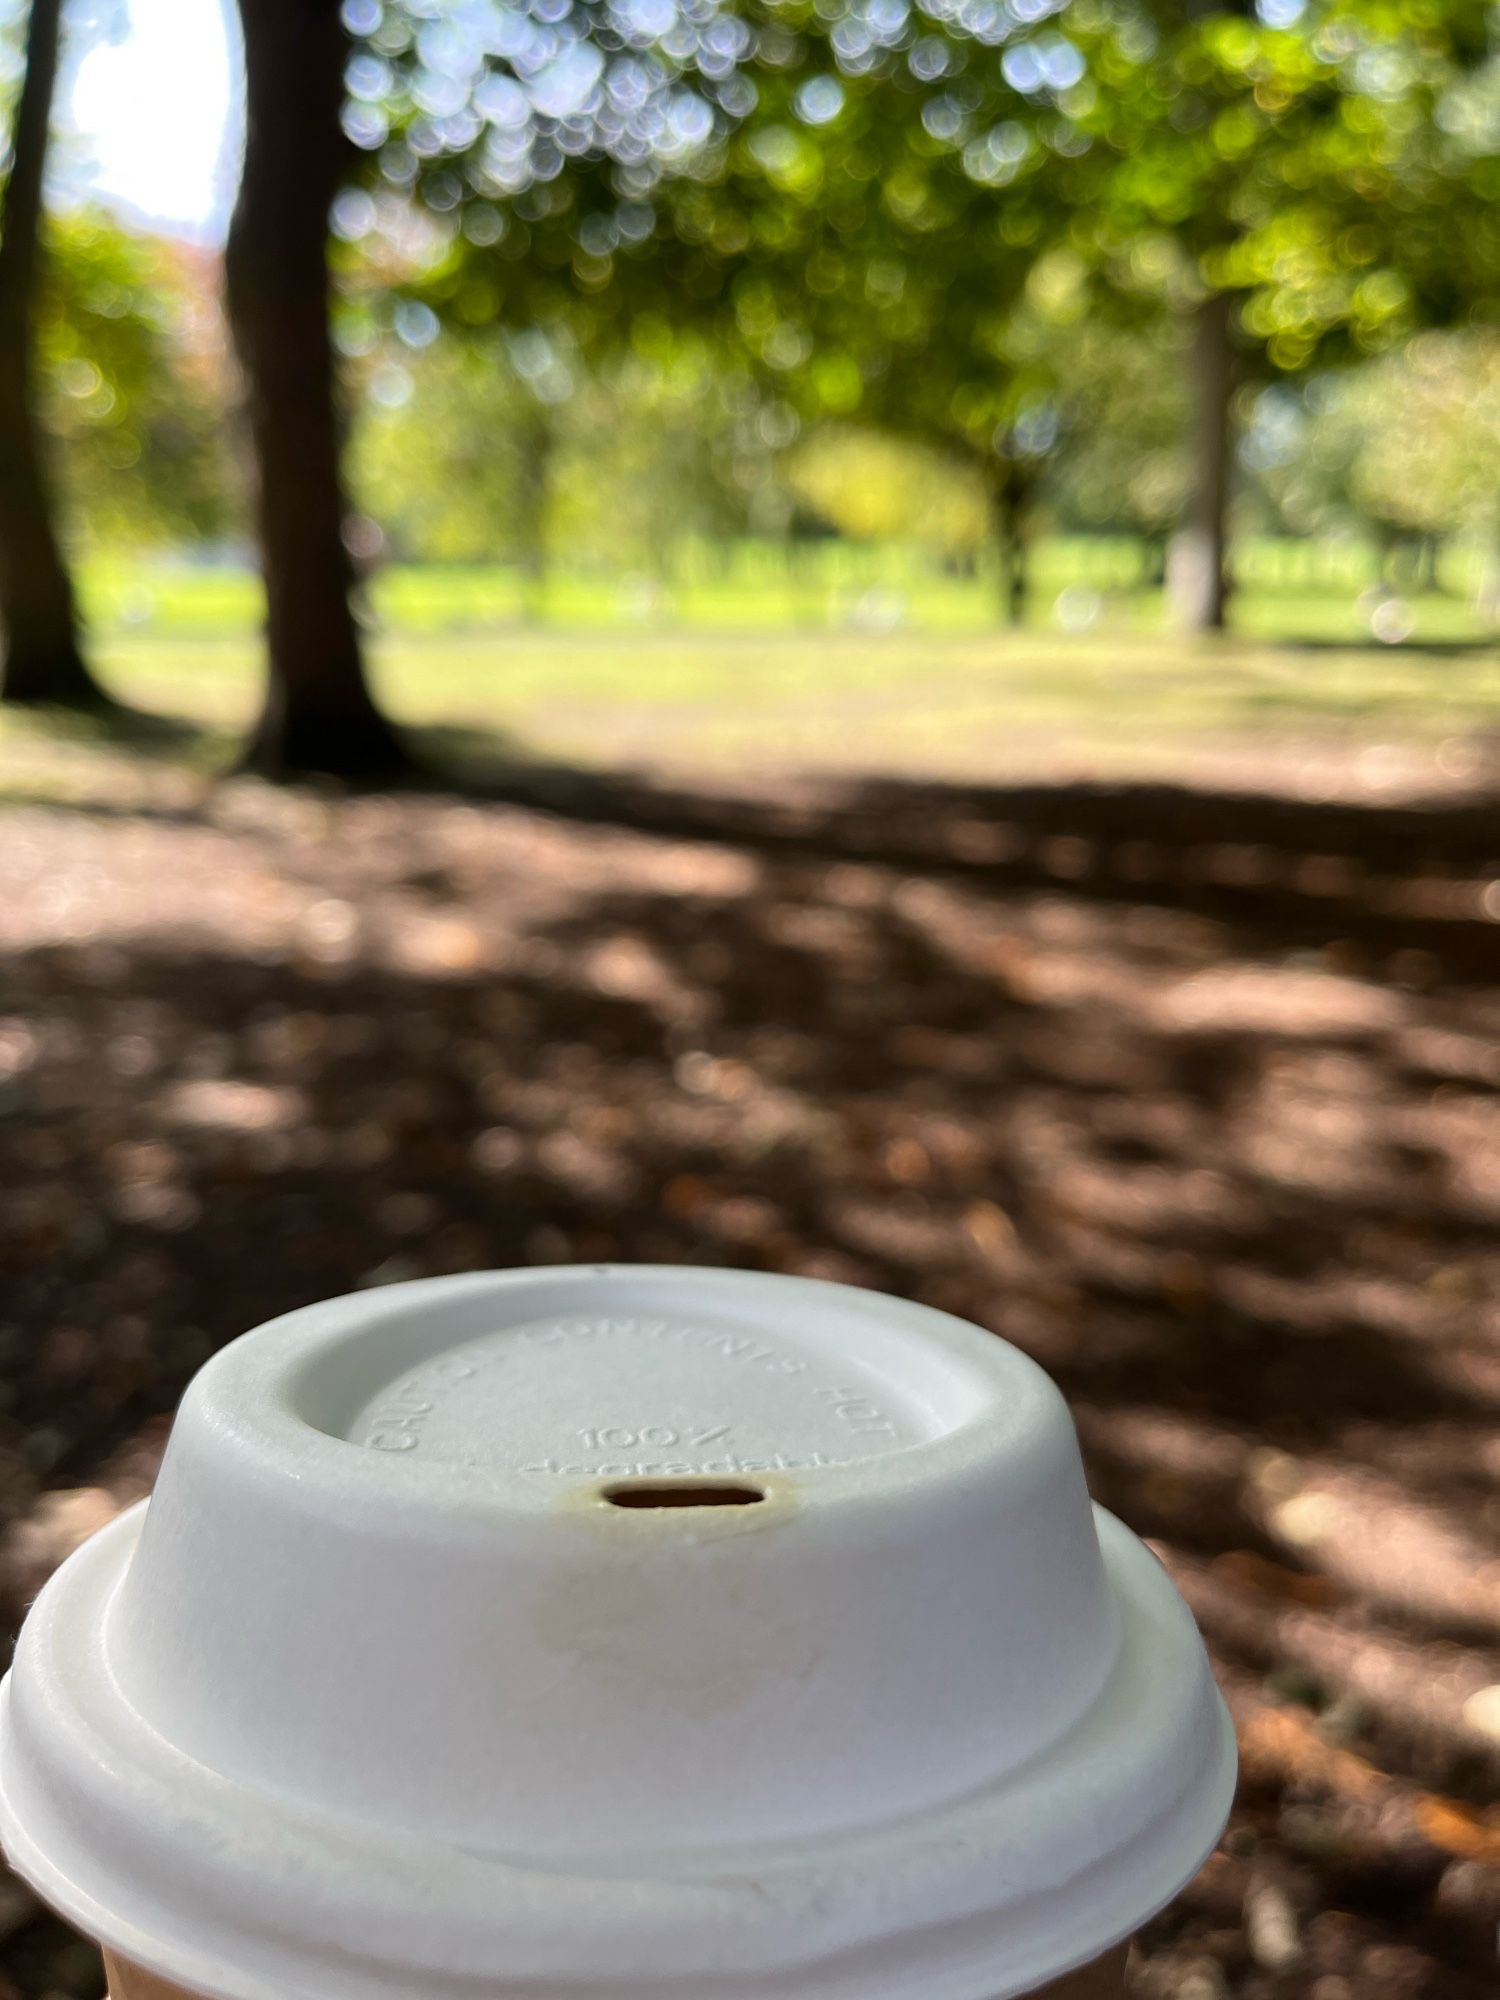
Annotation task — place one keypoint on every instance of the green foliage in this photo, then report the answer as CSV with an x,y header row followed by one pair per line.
x,y
133,386
1124,465
1335,171
435,456
668,445
976,226
608,261
1438,469
11,63
1407,446
499,446
871,487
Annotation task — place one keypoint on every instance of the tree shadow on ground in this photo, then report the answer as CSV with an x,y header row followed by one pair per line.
x,y
144,732
1375,878
446,757
1229,1176
1441,649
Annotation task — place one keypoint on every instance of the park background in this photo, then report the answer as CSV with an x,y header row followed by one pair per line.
x,y
902,685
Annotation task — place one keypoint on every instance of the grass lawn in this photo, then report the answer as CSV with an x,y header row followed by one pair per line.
x,y
831,668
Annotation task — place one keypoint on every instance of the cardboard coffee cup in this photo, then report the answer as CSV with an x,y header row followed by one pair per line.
x,y
614,1634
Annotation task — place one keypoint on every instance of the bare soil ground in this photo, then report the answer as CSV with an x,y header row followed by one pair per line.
x,y
1194,1095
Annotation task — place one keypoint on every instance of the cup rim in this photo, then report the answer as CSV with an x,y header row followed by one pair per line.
x,y
962,1902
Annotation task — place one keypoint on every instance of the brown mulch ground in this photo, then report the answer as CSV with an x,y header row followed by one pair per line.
x,y
1196,1098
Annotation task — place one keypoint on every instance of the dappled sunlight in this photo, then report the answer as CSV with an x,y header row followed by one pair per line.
x,y
1229,1183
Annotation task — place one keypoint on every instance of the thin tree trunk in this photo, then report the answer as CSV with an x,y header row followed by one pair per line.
x,y
1008,493
43,656
1387,555
538,440
1201,581
318,714
1487,593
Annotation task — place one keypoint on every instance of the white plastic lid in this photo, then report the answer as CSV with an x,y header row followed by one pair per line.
x,y
613,1631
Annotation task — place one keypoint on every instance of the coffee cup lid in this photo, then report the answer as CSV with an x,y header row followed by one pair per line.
x,y
616,1631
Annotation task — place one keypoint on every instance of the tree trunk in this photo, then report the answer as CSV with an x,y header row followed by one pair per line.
x,y
43,658
538,441
318,714
1487,594
1200,583
1008,495
1385,539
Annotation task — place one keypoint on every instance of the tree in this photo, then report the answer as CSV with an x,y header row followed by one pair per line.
x,y
900,226
43,657
857,223
876,487
1125,468
1198,576
891,211
1199,579
1323,178
1437,472
132,386
436,457
318,715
